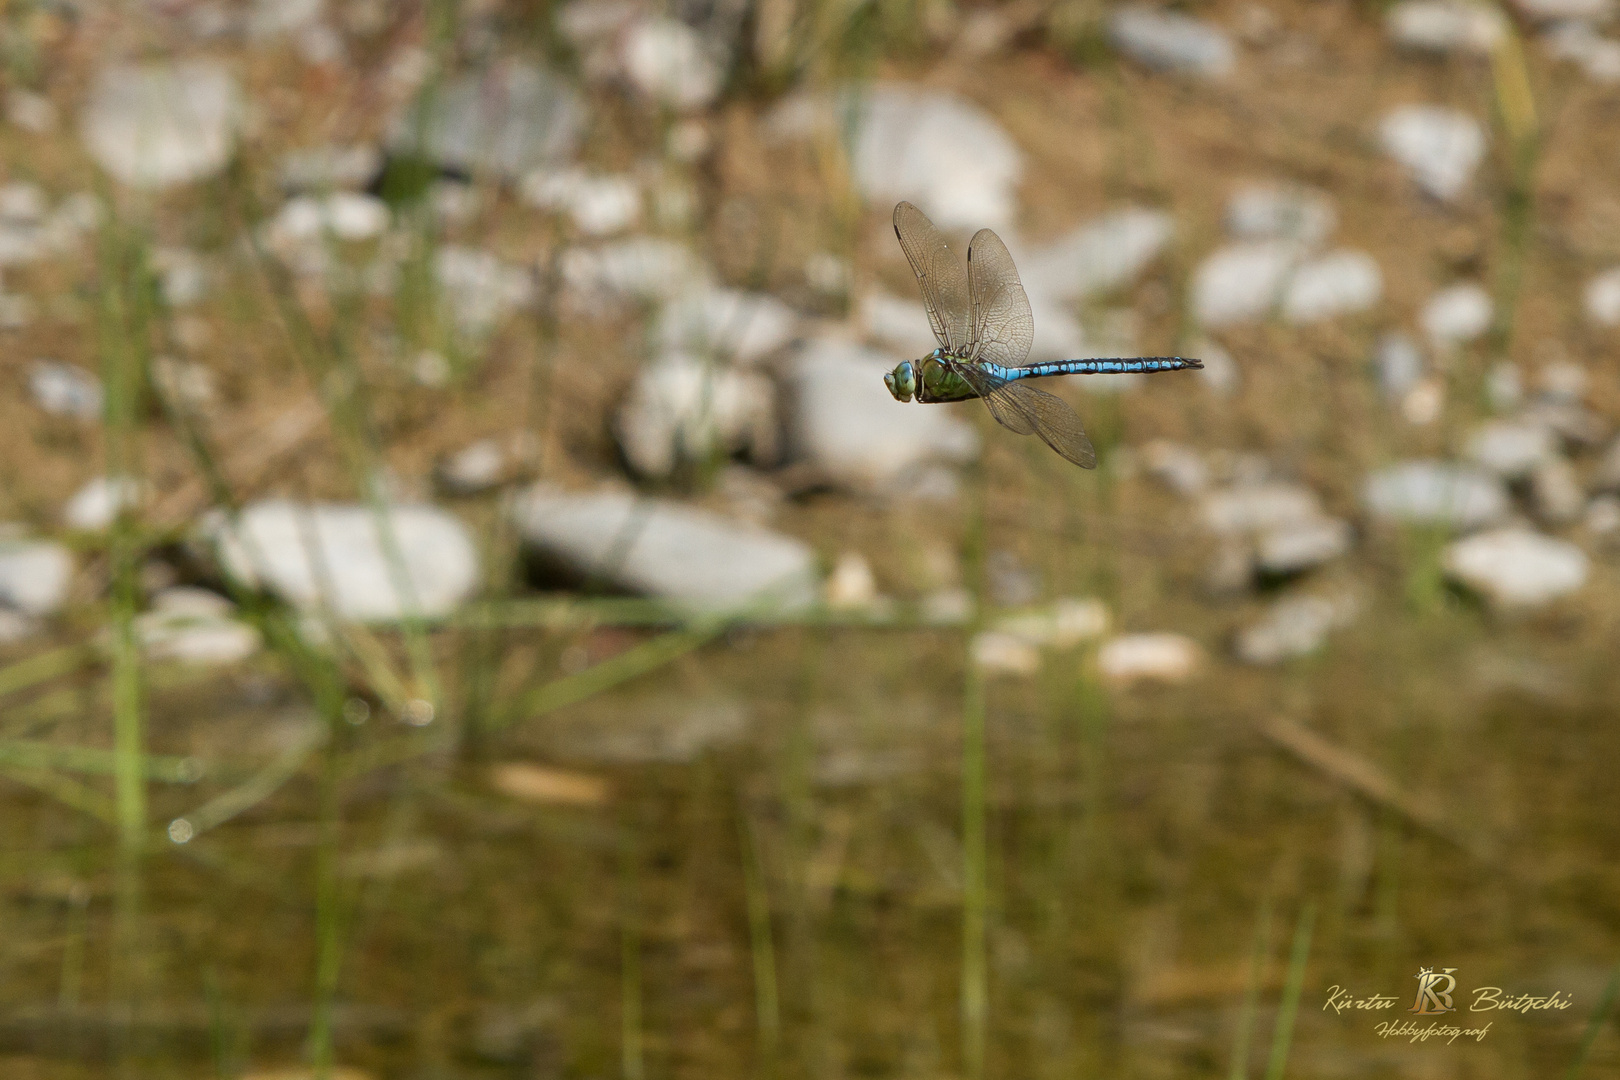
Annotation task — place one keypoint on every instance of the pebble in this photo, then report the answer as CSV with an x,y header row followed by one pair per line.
x,y
1005,654
1425,402
844,423
342,215
899,324
1179,466
937,150
34,575
1399,362
1132,658
1281,212
473,469
1242,282
64,390
182,274
636,267
742,327
1511,449
1575,41
683,409
1456,314
597,205
1292,627
1298,546
158,125
1515,567
1576,425
851,586
1555,492
1257,507
670,63
194,626
1445,26
507,121
318,170
98,503
1428,492
664,549
1562,382
1104,254
479,288
1338,283
332,556
1440,147
531,783
1169,42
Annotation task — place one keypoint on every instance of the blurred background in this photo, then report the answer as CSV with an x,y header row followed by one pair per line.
x,y
470,608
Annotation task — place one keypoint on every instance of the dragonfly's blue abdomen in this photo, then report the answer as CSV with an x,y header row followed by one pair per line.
x,y
1120,366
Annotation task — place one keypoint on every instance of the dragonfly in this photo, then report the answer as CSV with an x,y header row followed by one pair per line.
x,y
984,327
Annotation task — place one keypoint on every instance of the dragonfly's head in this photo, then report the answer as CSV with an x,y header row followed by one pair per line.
x,y
902,381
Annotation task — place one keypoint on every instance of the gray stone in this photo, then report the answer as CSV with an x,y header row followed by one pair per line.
x,y
32,112
1400,365
1427,492
1511,449
65,390
636,267
1556,10
1556,492
1603,517
472,469
666,550
1338,283
194,626
341,215
1294,626
683,409
158,125
318,170
900,324
727,323
672,63
1577,42
1242,282
1258,507
1168,42
1576,425
1281,212
846,425
1181,467
1104,254
937,150
1439,147
34,575
1445,26
1515,567
1297,546
98,503
480,289
504,121
1562,382
597,205
356,563
1456,314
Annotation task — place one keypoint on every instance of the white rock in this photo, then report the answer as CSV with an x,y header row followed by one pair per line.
x,y
157,125
1280,212
1104,254
663,549
683,409
1515,567
95,506
1168,42
1556,492
504,121
937,150
1062,625
1511,449
183,275
318,170
1456,314
1338,283
598,205
899,324
1436,493
1554,10
1297,546
1182,468
637,267
1256,507
34,575
1445,26
1575,41
1133,658
361,565
1400,365
194,626
473,469
1440,147
670,63
1294,626
479,289
342,215
1005,654
1424,402
727,323
64,390
847,426
851,585
1242,282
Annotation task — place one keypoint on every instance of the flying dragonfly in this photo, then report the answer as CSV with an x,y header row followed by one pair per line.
x,y
984,327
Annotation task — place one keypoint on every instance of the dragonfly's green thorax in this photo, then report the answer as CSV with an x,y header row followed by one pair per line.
x,y
928,380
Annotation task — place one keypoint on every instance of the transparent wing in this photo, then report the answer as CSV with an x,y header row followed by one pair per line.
x,y
944,288
1020,407
1002,324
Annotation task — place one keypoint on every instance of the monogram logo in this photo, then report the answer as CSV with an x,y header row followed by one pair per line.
x,y
1434,992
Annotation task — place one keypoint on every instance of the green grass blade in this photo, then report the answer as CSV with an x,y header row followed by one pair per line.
x,y
1594,1027
1283,1036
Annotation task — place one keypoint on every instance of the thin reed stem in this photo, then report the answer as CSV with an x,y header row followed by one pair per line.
x,y
1283,1036
975,994
1258,952
1594,1027
767,1010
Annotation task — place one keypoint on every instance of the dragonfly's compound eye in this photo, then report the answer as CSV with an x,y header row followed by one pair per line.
x,y
901,382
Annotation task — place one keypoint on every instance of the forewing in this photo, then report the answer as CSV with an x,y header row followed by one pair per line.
x,y
944,288
1022,408
1002,324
